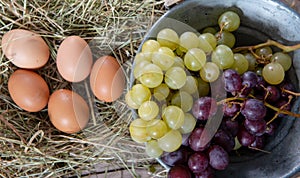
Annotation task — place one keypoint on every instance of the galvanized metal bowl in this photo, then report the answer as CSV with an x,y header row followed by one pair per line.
x,y
260,20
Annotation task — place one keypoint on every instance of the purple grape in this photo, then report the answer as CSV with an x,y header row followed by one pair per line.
x,y
256,128
231,109
204,108
249,79
270,130
273,93
224,139
179,171
179,156
207,173
232,126
287,86
261,84
218,157
232,81
254,109
195,140
287,107
198,162
259,142
244,137
245,92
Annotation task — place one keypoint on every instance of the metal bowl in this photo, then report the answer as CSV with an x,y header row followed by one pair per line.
x,y
260,20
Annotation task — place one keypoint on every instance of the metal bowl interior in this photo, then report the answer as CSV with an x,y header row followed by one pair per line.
x,y
260,20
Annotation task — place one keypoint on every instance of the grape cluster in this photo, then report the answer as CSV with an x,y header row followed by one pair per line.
x,y
171,94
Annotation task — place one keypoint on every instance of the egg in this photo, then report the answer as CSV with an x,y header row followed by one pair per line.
x,y
25,49
68,111
107,79
28,90
74,59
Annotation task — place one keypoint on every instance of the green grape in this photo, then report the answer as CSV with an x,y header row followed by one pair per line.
x,y
169,38
187,41
175,77
225,38
191,85
237,144
264,52
178,62
183,100
138,68
151,76
258,70
194,59
129,101
139,94
148,110
164,58
229,21
171,141
209,30
188,124
173,116
150,46
223,57
142,57
153,150
208,42
251,61
203,87
157,128
240,64
161,92
138,130
210,72
284,59
273,73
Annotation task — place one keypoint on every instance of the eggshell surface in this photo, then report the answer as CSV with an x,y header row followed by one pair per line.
x,y
107,79
74,59
25,49
28,90
68,111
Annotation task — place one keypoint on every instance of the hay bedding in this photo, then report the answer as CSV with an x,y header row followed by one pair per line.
x,y
30,146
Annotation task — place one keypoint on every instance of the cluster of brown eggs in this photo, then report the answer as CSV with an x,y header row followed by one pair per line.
x,y
67,110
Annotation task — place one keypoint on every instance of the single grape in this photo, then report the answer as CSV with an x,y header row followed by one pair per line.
x,y
183,100
286,86
173,116
198,162
273,73
195,140
250,79
232,81
240,64
210,30
259,142
272,93
151,76
194,59
261,84
218,157
258,70
254,109
148,110
225,38
163,58
152,149
191,85
142,57
203,87
207,173
270,130
138,68
207,42
179,156
256,128
229,21
188,124
282,58
179,171
223,57
231,126
244,137
231,109
130,102
264,52
251,61
138,130
175,77
169,38
224,139
204,108
210,72
150,46
188,40
178,62
156,128
139,94
171,141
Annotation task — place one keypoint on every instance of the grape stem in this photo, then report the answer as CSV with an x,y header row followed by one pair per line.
x,y
277,113
269,43
290,92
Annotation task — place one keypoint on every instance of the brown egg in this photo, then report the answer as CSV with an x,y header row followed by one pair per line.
x,y
25,49
107,79
68,111
74,59
28,90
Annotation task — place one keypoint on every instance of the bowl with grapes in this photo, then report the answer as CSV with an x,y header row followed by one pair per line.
x,y
214,89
